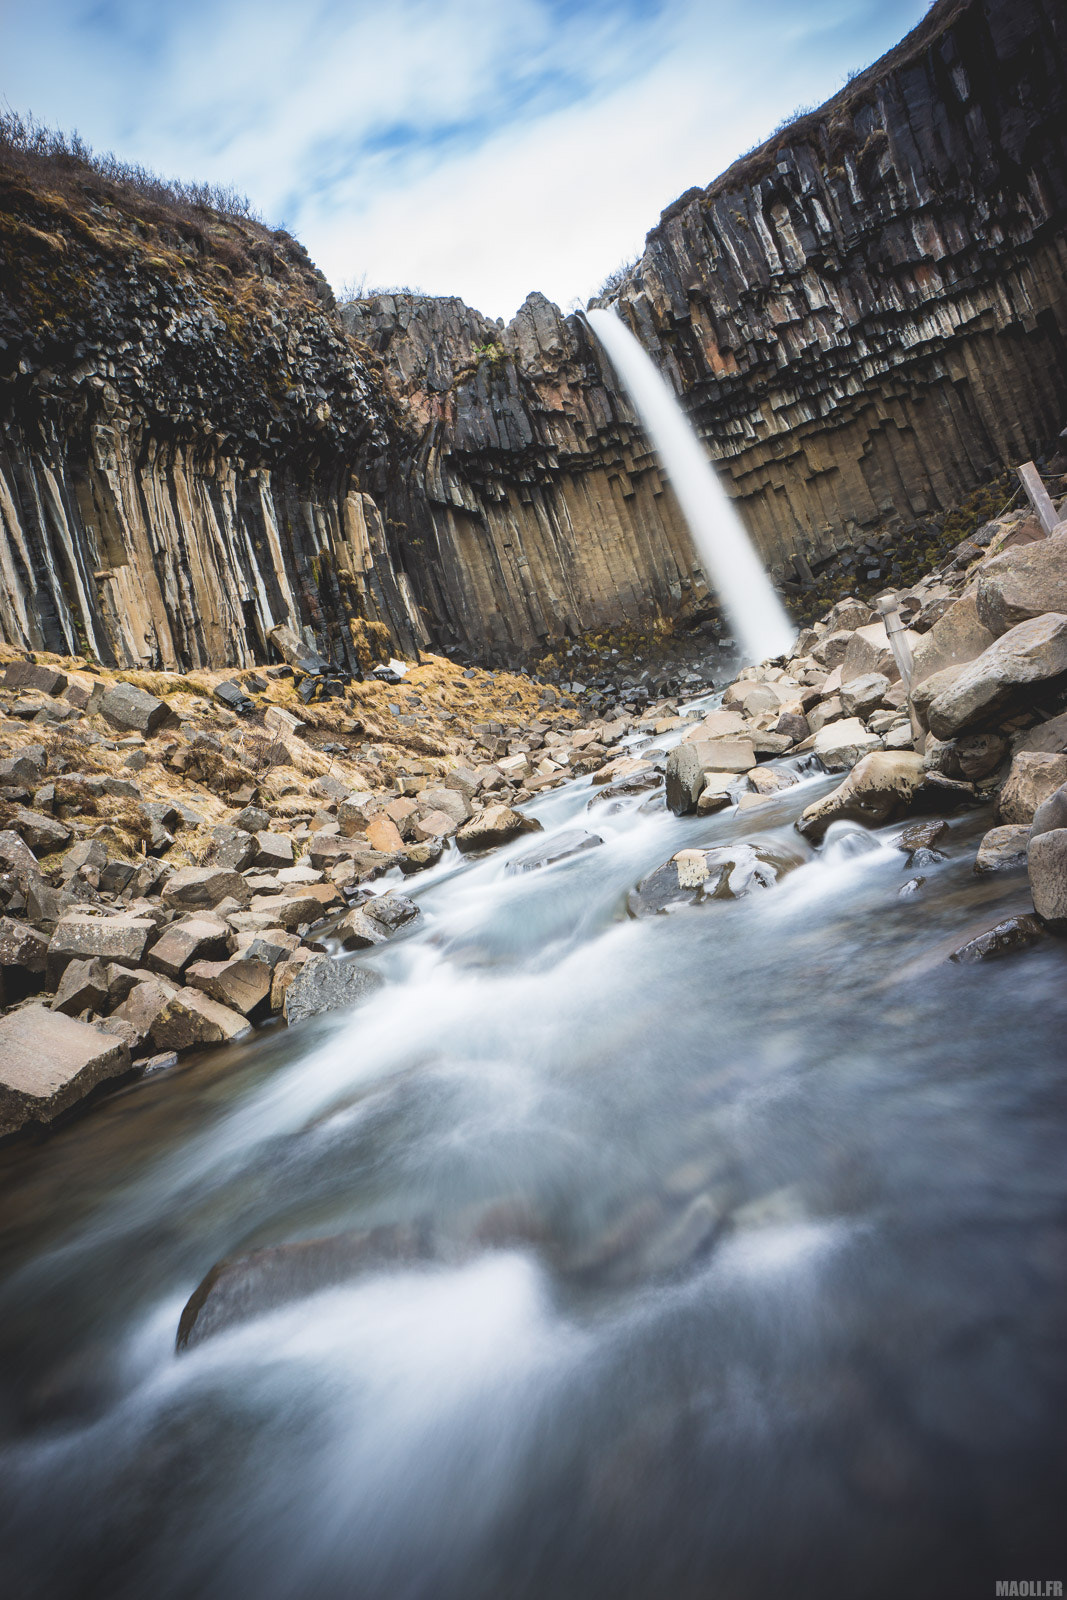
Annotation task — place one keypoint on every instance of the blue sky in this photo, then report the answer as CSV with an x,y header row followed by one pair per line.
x,y
474,147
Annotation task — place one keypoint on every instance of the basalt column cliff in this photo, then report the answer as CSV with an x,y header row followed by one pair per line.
x,y
866,317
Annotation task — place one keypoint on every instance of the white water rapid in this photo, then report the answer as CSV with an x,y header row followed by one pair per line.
x,y
730,562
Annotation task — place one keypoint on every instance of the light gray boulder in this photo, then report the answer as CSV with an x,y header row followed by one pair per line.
x,y
1031,653
1022,583
48,1062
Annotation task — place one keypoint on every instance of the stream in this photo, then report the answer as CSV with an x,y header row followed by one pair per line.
x,y
750,1250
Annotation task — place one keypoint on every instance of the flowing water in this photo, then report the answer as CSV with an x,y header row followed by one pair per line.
x,y
729,559
749,1246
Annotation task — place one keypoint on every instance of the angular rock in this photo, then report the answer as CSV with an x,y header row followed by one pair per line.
x,y
840,745
28,675
274,850
1030,653
192,939
17,858
22,946
571,842
829,710
684,773
236,851
881,786
418,857
698,876
131,709
190,1019
383,834
621,767
48,1062
242,983
80,935
1034,776
356,931
863,695
1047,865
623,788
718,725
495,826
43,834
325,984
202,888
1008,937
958,636
83,987
1050,735
869,651
433,825
288,911
1003,849
449,800
138,1014
1026,582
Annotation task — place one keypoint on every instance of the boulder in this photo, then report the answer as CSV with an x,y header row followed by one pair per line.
x,y
242,983
718,725
622,767
433,825
830,650
1003,849
287,911
623,788
202,888
418,857
1022,583
191,1018
138,1013
840,745
1004,938
828,710
861,696
753,698
1030,653
274,850
1034,776
80,935
688,762
17,858
793,725
192,939
869,651
356,931
326,984
1051,813
770,780
29,675
43,834
1047,865
698,876
880,787
1050,735
560,847
83,987
22,946
976,755
49,1061
496,825
958,636
718,792
131,709
383,834
451,801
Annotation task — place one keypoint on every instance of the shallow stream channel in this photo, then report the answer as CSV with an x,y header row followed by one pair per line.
x,y
719,1253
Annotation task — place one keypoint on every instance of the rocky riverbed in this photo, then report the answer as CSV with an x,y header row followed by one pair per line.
x,y
188,858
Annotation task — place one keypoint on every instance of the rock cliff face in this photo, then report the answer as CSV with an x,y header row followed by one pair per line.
x,y
865,317
183,425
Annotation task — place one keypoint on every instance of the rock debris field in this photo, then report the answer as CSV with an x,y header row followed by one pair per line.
x,y
185,859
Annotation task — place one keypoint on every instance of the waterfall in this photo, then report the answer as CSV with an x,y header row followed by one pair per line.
x,y
730,561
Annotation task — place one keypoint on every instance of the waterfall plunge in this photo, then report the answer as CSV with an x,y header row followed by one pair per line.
x,y
730,562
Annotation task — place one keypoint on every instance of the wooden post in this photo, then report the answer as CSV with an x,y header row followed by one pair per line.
x,y
1038,497
889,607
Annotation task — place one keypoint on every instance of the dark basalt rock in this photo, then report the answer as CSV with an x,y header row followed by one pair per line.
x,y
1004,939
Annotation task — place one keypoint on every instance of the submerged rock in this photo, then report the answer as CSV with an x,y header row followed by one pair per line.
x,y
250,1286
727,872
1005,938
562,845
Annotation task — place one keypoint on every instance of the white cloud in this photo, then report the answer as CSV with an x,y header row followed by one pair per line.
x,y
476,147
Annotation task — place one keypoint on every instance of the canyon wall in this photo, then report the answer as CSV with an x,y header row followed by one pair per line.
x,y
865,318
